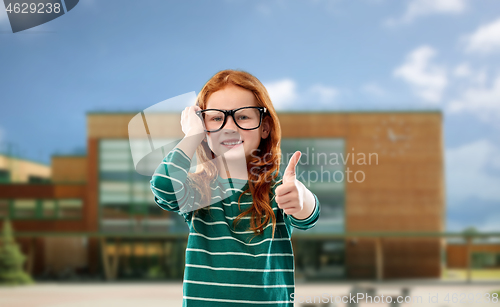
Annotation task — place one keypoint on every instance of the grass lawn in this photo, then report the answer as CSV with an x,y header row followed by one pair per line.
x,y
476,274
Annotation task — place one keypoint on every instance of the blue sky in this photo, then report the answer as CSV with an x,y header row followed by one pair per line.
x,y
122,55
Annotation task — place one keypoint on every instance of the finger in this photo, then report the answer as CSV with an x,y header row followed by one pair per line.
x,y
282,199
285,188
283,203
290,170
282,190
286,206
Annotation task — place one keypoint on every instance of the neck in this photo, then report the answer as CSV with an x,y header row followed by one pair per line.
x,y
229,168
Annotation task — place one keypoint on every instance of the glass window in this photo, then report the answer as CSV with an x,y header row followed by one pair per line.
x,y
141,192
117,225
115,210
321,170
125,196
70,208
113,192
25,208
49,208
118,145
37,179
483,260
115,156
4,176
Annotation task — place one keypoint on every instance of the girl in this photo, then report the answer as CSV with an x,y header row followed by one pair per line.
x,y
239,250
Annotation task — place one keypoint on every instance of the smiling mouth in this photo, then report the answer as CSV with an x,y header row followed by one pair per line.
x,y
232,143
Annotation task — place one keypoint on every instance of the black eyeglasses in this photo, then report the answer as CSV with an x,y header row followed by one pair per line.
x,y
246,118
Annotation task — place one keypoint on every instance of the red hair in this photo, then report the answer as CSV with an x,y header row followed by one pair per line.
x,y
263,167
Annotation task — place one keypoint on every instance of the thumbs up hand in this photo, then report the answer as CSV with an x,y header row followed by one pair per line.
x,y
290,194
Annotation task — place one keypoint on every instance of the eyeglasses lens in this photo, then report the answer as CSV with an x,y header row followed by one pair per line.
x,y
248,118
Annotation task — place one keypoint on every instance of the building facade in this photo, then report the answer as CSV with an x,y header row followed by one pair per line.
x,y
373,172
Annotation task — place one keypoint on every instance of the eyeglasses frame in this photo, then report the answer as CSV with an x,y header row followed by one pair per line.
x,y
262,110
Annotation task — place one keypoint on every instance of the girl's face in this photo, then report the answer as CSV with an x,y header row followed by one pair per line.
x,y
229,98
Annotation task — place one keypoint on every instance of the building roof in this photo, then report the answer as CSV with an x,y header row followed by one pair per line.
x,y
416,110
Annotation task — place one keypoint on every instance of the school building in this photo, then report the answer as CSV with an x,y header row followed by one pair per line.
x,y
374,173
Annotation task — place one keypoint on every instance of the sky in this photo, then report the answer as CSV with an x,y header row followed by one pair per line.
x,y
125,56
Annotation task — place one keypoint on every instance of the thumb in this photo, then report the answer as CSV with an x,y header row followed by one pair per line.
x,y
289,173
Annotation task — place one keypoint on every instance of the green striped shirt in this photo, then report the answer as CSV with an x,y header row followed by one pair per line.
x,y
223,266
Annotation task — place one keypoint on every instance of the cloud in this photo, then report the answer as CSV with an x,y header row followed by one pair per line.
x,y
418,8
428,80
325,94
480,100
491,224
464,71
285,95
484,40
467,172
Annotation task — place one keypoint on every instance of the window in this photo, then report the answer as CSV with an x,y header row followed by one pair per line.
x,y
70,208
4,176
322,174
41,208
126,202
49,208
37,179
24,208
483,260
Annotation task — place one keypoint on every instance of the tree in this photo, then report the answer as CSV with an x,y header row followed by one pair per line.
x,y
470,230
11,259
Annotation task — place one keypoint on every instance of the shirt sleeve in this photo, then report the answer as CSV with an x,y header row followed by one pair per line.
x,y
169,184
308,222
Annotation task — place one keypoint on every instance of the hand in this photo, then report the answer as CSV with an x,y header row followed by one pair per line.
x,y
191,123
290,195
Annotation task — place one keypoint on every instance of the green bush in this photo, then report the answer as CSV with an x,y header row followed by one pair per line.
x,y
11,259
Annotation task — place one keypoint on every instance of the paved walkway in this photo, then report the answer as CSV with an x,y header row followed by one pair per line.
x,y
170,294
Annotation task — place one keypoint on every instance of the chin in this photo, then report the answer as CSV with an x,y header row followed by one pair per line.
x,y
233,155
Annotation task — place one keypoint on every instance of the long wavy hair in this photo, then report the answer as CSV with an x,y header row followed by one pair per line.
x,y
262,167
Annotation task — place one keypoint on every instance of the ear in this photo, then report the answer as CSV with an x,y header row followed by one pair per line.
x,y
266,127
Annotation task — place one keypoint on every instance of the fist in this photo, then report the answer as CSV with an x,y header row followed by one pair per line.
x,y
290,195
191,123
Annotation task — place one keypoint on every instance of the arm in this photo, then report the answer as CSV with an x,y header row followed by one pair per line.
x,y
169,182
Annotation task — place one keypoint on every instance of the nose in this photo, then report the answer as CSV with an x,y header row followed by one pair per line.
x,y
230,124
